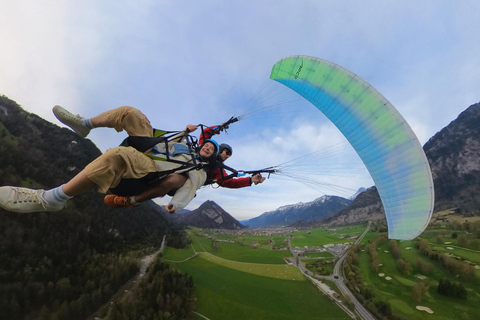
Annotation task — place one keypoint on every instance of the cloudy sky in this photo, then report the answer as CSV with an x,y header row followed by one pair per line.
x,y
202,62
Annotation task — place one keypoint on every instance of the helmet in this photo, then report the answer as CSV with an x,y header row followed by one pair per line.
x,y
225,146
215,152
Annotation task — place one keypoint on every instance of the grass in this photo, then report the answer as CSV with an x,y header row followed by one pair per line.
x,y
235,280
239,251
398,291
322,236
283,271
226,293
468,254
238,281
178,254
327,268
261,240
325,255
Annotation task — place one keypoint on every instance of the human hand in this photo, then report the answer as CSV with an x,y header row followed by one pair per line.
x,y
191,128
257,178
170,208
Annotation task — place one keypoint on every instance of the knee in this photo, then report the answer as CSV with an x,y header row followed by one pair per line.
x,y
112,153
128,109
127,112
115,156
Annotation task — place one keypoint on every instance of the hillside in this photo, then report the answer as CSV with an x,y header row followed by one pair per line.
x,y
47,259
454,154
209,215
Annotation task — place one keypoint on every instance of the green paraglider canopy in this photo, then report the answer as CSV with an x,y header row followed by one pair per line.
x,y
378,133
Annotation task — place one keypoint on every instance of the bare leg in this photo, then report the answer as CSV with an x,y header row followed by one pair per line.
x,y
78,184
172,182
102,121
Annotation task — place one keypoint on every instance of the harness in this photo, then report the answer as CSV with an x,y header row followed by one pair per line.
x,y
143,144
220,165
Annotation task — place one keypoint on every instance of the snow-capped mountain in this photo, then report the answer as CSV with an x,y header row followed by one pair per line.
x,y
362,189
318,209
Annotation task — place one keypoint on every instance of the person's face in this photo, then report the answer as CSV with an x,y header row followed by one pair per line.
x,y
207,150
225,154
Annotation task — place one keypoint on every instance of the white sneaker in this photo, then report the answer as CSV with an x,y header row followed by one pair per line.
x,y
76,122
24,200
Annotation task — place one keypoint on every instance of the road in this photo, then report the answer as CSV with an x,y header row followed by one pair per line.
x,y
337,278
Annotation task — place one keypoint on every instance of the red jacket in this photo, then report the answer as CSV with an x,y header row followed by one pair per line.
x,y
218,174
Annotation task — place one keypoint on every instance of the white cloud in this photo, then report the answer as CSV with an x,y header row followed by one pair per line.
x,y
181,62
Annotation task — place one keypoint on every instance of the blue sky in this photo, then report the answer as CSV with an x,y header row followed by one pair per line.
x,y
198,62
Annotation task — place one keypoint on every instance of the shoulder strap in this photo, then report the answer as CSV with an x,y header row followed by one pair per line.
x,y
142,144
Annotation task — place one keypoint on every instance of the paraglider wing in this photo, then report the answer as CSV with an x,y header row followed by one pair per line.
x,y
378,133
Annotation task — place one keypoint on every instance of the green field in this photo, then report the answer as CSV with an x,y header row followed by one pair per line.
x,y
178,254
227,293
241,277
398,291
280,271
465,253
323,255
239,251
245,279
322,236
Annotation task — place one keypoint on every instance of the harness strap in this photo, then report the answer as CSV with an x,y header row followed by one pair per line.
x,y
223,178
143,144
158,175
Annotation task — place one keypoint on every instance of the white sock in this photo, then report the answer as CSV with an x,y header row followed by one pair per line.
x,y
56,195
88,123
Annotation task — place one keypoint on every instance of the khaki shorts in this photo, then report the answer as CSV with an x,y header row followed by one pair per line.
x,y
122,162
132,120
118,163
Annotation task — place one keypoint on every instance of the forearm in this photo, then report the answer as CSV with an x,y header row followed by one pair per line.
x,y
186,193
207,133
235,183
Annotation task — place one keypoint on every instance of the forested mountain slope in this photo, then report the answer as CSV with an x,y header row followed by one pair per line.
x,y
66,262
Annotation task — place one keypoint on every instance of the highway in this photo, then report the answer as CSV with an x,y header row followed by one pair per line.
x,y
337,278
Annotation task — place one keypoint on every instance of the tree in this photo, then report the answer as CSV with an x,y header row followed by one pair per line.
x,y
423,266
404,266
419,290
447,288
44,314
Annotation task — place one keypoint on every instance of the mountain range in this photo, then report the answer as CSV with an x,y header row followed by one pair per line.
x,y
208,215
318,209
452,153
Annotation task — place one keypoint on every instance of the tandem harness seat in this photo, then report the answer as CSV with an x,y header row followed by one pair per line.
x,y
132,187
